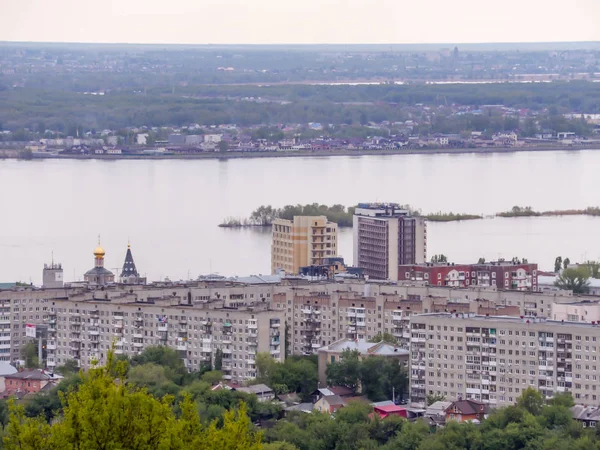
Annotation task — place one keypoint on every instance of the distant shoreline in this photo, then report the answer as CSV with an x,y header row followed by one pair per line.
x,y
12,153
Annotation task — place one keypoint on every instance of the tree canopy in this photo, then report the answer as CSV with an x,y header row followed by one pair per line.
x,y
107,412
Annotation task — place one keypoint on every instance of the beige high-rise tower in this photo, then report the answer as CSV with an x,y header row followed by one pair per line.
x,y
304,241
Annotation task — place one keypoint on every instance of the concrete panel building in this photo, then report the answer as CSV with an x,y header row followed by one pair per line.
x,y
385,237
493,359
304,241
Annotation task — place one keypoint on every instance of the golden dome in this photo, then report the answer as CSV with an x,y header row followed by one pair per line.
x,y
99,252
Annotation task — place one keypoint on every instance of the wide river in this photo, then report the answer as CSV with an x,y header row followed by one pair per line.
x,y
170,209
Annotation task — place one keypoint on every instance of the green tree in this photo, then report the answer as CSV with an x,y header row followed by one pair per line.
x,y
531,401
432,398
110,414
212,377
441,258
70,367
557,264
593,268
385,337
223,146
166,357
345,372
29,354
574,279
218,359
566,263
481,260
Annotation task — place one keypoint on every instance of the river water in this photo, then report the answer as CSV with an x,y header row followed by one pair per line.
x,y
169,209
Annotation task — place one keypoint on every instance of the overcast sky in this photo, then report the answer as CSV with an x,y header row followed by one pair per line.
x,y
295,21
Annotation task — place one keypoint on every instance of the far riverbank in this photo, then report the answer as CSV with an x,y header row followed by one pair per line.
x,y
12,153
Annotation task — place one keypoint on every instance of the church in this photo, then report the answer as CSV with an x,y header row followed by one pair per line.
x,y
101,276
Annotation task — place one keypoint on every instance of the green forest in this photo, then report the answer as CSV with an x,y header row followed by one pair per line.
x,y
40,109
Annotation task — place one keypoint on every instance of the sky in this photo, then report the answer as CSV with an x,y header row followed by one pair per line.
x,y
294,21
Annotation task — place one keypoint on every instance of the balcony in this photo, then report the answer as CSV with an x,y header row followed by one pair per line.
x,y
252,325
138,344
137,335
50,345
163,328
227,351
182,346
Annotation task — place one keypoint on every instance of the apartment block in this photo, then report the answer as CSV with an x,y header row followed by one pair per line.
x,y
500,275
86,330
385,237
83,319
304,241
492,359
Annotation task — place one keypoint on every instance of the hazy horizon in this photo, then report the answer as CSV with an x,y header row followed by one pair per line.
x,y
324,22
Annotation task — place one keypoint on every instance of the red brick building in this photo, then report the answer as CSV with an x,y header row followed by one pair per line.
x,y
28,381
502,275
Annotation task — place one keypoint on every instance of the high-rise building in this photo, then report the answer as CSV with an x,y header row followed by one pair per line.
x,y
493,359
304,241
386,236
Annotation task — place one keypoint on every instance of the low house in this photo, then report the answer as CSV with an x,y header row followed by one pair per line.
x,y
389,410
301,407
342,391
467,411
329,404
29,381
437,408
588,416
262,391
332,353
5,370
289,399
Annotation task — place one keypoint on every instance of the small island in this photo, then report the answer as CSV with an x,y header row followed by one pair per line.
x,y
528,211
264,216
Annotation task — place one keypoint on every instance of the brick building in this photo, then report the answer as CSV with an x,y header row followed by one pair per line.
x,y
501,275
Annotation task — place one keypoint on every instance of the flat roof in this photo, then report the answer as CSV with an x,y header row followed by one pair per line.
x,y
506,319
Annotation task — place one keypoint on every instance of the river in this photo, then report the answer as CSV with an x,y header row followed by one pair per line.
x,y
169,209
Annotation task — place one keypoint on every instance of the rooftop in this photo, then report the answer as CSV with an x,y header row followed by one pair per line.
x,y
364,347
505,319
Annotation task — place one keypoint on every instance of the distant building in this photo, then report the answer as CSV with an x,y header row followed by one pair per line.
x,y
467,411
52,276
129,273
177,139
140,139
99,275
212,138
28,381
262,391
386,236
502,275
304,241
331,268
192,139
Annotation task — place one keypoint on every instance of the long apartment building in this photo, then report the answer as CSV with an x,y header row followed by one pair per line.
x,y
493,359
82,320
501,275
385,237
304,241
84,328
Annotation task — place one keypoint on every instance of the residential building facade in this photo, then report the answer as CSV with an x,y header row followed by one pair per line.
x,y
494,359
304,241
385,237
502,275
